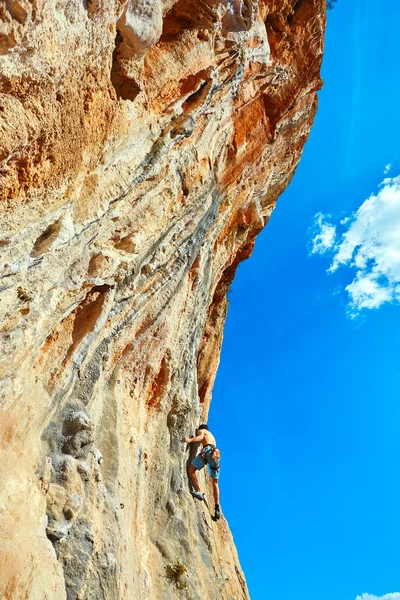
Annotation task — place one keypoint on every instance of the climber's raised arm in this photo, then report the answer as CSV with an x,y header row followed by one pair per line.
x,y
198,438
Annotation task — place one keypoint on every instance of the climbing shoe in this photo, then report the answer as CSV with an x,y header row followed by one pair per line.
x,y
217,512
197,495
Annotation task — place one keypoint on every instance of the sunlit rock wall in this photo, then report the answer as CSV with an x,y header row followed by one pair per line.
x,y
143,145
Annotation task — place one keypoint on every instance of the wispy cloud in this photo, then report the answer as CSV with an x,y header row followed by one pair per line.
x,y
370,246
393,596
387,168
324,234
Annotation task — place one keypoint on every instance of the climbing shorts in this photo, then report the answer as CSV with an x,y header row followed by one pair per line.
x,y
206,458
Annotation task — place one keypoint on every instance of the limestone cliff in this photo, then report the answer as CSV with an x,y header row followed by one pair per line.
x,y
143,145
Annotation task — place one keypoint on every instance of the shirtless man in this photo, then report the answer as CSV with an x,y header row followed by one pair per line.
x,y
206,457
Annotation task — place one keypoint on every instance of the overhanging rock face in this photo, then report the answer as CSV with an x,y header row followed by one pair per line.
x,y
143,146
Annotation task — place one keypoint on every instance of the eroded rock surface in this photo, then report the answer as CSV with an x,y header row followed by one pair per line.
x,y
143,145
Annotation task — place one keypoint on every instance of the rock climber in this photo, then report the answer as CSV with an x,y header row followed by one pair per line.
x,y
210,456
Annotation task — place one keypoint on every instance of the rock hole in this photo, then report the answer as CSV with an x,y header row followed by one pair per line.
x,y
97,265
194,82
274,22
92,6
125,87
196,98
126,244
238,19
23,295
241,231
6,42
176,21
17,11
302,12
188,15
203,36
146,269
44,241
272,110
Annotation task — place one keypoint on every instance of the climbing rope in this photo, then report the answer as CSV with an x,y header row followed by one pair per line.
x,y
198,507
221,573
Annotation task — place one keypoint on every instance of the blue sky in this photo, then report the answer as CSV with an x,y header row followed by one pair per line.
x,y
305,406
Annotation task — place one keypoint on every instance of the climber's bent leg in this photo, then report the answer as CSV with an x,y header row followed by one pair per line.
x,y
193,476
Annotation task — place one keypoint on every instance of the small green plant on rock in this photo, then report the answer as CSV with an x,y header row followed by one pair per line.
x,y
175,572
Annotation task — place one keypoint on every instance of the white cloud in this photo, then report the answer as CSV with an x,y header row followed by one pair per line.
x,y
370,246
325,235
387,168
393,596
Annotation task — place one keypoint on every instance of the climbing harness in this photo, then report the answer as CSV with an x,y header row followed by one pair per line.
x,y
214,459
206,451
212,456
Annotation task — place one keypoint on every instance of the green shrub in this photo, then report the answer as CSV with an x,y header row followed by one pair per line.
x,y
174,574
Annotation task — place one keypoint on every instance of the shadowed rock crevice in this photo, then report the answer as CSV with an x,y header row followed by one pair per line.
x,y
86,316
188,15
126,87
158,385
67,335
